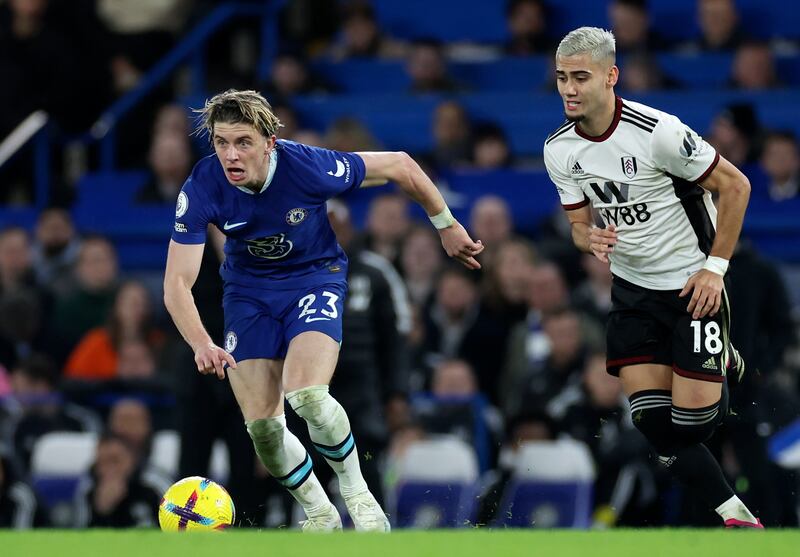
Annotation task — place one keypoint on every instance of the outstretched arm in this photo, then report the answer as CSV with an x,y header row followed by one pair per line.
x,y
401,169
183,264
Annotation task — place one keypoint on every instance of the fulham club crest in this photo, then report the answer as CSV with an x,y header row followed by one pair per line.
x,y
629,166
296,216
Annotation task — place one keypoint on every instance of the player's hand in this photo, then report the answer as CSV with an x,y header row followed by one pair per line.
x,y
602,241
108,493
459,245
707,295
212,358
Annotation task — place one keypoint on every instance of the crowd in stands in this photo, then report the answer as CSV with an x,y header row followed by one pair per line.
x,y
509,355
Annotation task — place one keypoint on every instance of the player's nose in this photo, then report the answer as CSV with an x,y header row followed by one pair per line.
x,y
231,154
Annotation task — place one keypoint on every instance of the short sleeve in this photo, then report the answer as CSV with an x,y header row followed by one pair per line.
x,y
337,172
191,215
570,193
679,150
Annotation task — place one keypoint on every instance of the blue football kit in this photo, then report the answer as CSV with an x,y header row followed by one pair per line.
x,y
284,273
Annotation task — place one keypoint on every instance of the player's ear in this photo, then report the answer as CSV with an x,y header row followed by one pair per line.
x,y
613,76
270,144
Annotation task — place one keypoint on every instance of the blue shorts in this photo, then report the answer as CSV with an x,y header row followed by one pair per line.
x,y
260,323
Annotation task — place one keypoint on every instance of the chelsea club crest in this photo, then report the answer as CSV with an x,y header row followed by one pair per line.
x,y
296,216
230,342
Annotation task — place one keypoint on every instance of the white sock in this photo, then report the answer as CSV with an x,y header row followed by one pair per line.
x,y
330,431
289,463
734,508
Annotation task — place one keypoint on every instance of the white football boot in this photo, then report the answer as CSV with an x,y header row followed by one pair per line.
x,y
367,514
327,522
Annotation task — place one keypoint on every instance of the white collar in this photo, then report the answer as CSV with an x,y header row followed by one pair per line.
x,y
273,162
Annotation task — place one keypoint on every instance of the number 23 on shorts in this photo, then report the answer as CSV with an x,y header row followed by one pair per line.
x,y
325,309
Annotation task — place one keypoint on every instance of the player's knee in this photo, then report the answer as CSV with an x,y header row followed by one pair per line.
x,y
650,411
695,425
314,404
267,433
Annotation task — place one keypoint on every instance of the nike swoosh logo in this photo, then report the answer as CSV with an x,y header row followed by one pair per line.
x,y
227,226
310,319
339,170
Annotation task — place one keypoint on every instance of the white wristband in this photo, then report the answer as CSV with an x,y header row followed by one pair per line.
x,y
716,265
443,220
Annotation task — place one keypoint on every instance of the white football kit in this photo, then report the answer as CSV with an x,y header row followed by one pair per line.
x,y
642,175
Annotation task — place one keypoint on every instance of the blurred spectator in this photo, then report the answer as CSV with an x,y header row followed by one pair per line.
x,y
54,252
136,360
720,29
780,161
735,134
16,271
172,119
754,67
170,161
457,326
593,295
130,419
527,25
641,73
427,68
41,408
543,358
23,327
507,279
88,303
116,495
19,506
421,261
529,427
451,135
361,37
23,305
140,34
490,221
456,406
630,23
596,412
289,77
97,356
490,148
350,135
387,224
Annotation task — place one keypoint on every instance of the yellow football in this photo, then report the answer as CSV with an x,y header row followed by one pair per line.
x,y
197,504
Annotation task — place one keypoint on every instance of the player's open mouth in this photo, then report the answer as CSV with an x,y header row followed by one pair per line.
x,y
572,105
235,174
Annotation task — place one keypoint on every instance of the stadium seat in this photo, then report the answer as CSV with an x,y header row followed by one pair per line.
x,y
437,485
165,454
551,487
58,462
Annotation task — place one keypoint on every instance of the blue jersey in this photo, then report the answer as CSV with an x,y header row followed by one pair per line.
x,y
278,238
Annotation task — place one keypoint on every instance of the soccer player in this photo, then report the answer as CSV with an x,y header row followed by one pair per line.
x,y
650,177
284,284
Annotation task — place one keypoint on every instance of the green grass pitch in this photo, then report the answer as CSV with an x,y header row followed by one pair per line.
x,y
460,543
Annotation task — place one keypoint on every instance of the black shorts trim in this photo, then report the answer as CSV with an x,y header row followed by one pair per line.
x,y
705,376
614,366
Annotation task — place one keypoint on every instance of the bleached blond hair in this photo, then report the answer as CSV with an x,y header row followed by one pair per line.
x,y
599,43
236,107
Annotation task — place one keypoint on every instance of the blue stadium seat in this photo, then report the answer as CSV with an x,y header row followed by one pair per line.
x,y
437,485
59,462
551,487
452,20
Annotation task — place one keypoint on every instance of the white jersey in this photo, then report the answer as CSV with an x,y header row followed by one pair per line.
x,y
642,176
